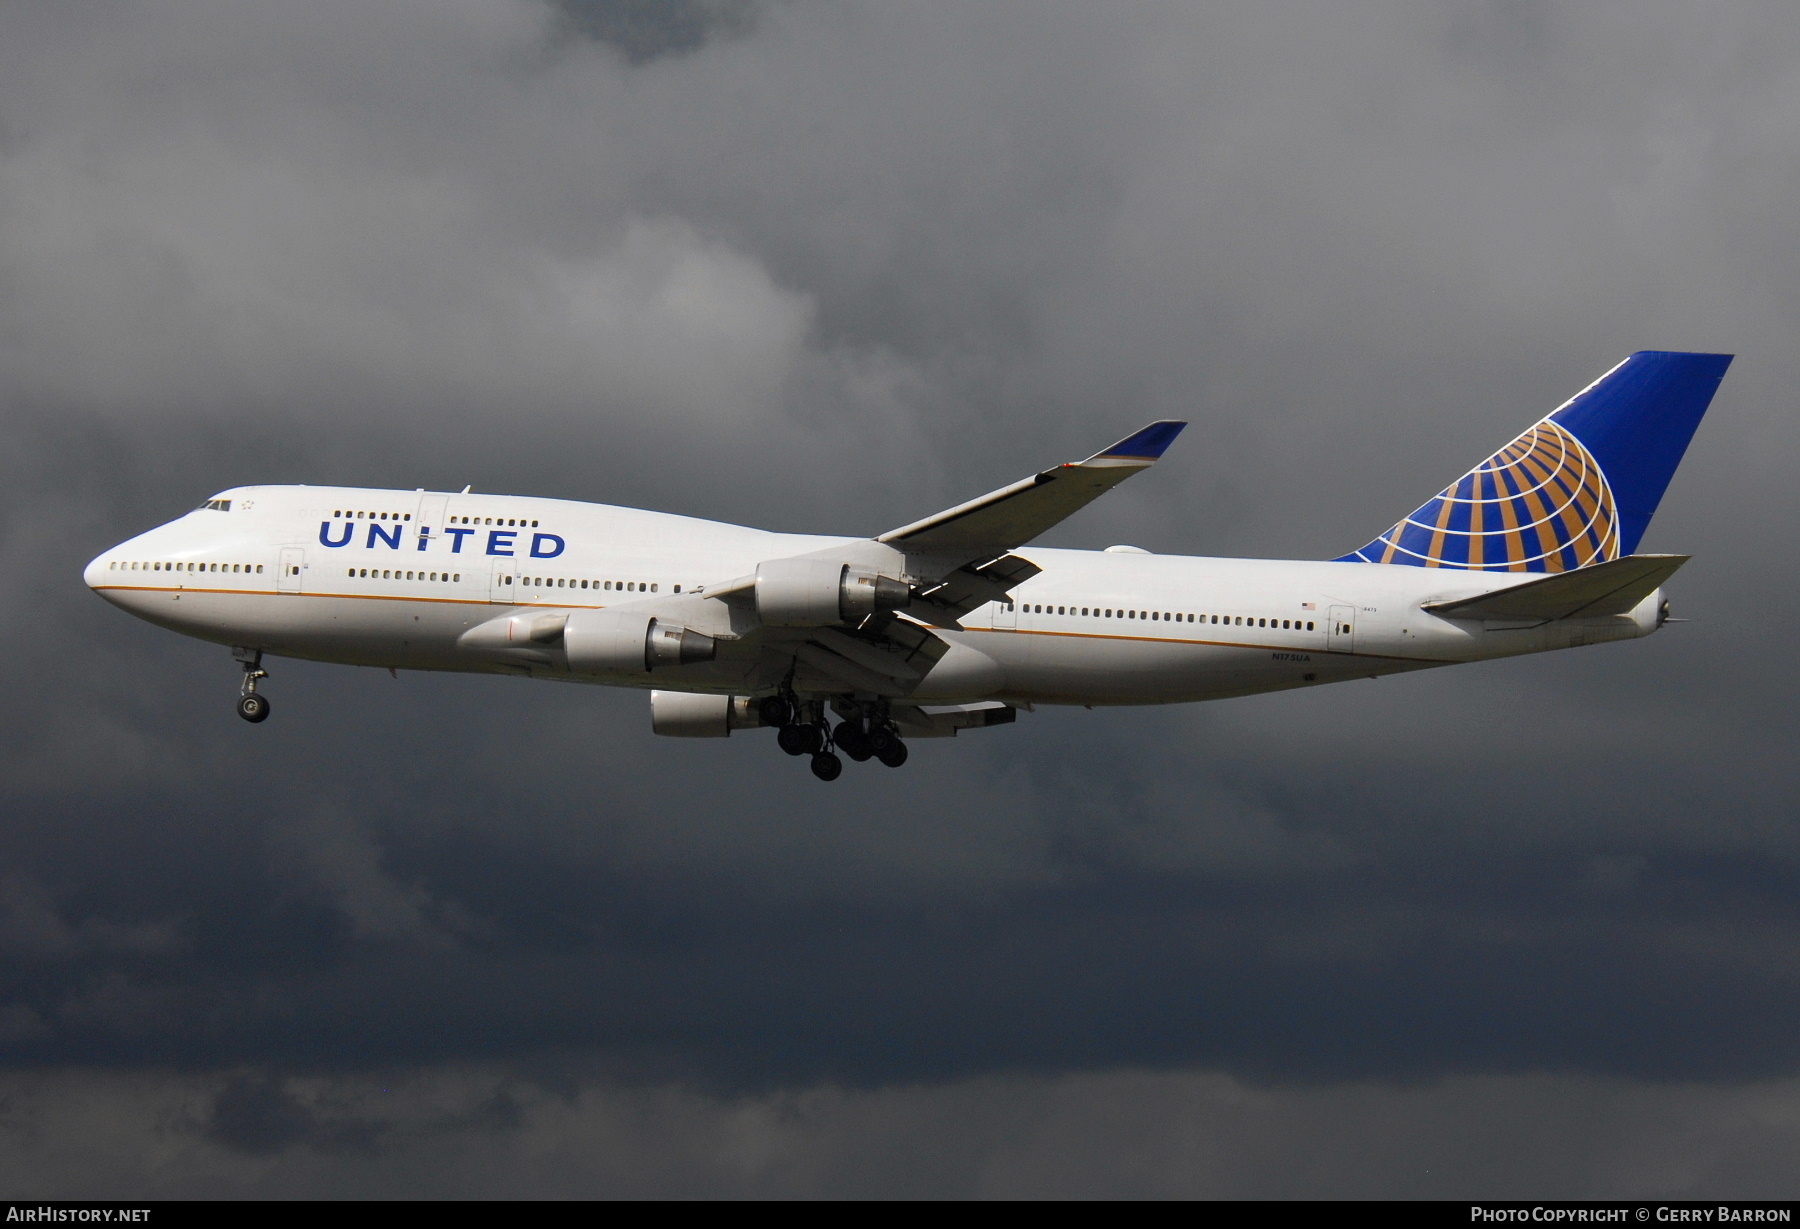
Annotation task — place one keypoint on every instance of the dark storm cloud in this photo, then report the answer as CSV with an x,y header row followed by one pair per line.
x,y
831,267
647,29
481,1131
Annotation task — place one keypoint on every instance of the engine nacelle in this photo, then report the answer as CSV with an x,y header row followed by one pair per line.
x,y
616,641
812,592
686,714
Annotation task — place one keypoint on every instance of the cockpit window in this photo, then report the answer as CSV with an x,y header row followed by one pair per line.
x,y
217,505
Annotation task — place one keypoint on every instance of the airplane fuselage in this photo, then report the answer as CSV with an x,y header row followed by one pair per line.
x,y
397,578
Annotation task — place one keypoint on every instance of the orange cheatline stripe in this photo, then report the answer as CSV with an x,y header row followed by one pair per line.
x,y
369,597
1324,654
353,597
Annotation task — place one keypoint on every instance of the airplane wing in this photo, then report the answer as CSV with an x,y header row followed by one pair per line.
x,y
1014,515
964,550
1610,588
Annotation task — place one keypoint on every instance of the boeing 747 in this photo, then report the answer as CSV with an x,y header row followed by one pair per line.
x,y
954,622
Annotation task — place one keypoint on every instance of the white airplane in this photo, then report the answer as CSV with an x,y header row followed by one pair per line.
x,y
946,624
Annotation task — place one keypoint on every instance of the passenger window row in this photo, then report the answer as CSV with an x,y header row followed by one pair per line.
x,y
156,566
563,582
397,574
1164,616
535,582
491,520
373,516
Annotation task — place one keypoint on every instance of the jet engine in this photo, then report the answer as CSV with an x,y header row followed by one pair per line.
x,y
625,641
814,592
686,714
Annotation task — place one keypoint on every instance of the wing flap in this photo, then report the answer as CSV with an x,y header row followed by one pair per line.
x,y
967,588
1610,588
866,655
885,655
857,677
945,720
919,647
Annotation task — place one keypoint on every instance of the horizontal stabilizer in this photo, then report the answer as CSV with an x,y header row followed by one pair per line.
x,y
1611,588
1014,515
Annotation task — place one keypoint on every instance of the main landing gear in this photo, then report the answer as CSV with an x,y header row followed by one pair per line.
x,y
802,729
251,706
873,741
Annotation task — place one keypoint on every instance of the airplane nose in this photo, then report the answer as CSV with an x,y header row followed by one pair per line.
x,y
109,574
100,574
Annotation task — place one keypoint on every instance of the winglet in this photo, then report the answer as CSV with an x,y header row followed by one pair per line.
x,y
1015,514
1143,446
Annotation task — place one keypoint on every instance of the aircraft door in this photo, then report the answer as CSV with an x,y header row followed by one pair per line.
x,y
430,521
1341,638
289,576
1006,613
505,583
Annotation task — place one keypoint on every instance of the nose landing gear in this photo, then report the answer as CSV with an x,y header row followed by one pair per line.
x,y
251,706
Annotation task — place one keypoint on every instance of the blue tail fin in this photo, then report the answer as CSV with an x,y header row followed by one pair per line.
x,y
1577,488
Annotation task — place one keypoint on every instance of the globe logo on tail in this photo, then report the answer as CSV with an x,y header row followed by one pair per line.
x,y
1541,504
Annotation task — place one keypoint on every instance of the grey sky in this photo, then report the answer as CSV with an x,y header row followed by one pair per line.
x,y
830,267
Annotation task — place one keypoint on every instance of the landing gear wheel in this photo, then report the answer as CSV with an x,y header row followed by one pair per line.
x,y
880,741
798,739
776,711
250,706
852,742
894,756
826,766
